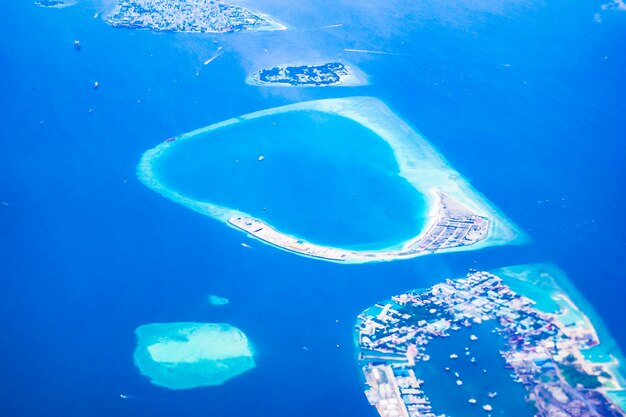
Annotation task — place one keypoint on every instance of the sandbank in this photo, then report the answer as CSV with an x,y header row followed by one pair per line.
x,y
188,355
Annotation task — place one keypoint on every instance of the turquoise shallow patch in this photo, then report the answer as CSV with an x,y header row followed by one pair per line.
x,y
216,300
189,355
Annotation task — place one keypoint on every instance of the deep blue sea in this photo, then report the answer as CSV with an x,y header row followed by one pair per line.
x,y
526,99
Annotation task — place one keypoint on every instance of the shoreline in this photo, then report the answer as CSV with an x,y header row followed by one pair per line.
x,y
356,78
458,218
66,3
416,246
269,23
554,283
390,337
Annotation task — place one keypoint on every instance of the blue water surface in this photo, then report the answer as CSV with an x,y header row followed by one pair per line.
x,y
526,100
487,375
321,177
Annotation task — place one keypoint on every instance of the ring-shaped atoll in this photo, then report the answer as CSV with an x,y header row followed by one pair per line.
x,y
458,218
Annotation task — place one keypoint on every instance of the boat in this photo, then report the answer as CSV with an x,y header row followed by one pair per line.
x,y
261,158
459,382
487,407
473,337
96,85
492,394
454,356
472,401
77,45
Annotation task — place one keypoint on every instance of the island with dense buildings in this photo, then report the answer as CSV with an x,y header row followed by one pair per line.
x,y
210,16
545,351
457,217
323,75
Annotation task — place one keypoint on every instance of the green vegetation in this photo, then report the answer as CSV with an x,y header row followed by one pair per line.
x,y
575,376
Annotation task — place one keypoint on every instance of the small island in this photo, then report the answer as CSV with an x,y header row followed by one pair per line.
x,y
546,345
205,16
55,4
324,75
189,355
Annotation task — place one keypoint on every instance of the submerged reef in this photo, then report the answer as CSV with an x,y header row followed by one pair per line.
x,y
216,300
188,355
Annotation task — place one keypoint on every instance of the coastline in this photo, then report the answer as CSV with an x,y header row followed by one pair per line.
x,y
419,163
548,328
568,301
356,78
186,355
269,23
66,3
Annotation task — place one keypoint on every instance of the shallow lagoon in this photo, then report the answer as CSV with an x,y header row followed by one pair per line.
x,y
323,178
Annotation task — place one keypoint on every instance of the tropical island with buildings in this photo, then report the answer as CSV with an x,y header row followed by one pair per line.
x,y
550,353
55,4
452,226
323,75
205,16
